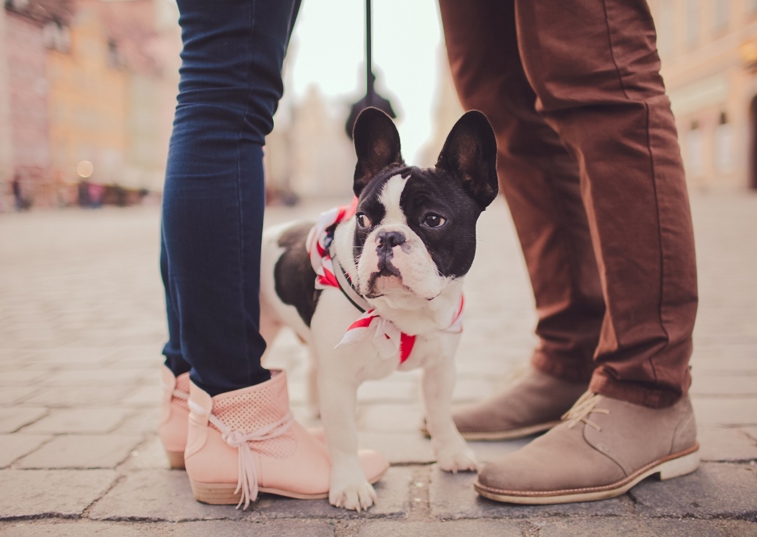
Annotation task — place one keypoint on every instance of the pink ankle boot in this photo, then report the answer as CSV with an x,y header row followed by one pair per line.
x,y
246,441
174,416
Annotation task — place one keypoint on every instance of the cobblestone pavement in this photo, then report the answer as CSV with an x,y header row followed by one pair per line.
x,y
81,327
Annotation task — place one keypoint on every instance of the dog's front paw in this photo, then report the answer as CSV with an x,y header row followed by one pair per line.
x,y
457,460
355,496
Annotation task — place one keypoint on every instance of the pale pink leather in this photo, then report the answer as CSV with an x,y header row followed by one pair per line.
x,y
174,413
294,462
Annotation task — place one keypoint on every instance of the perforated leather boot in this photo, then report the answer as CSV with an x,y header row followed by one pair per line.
x,y
246,441
174,415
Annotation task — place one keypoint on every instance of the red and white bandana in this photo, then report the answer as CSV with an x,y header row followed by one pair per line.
x,y
318,242
388,339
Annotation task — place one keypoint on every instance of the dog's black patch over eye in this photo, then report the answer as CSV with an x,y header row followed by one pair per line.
x,y
444,216
433,220
363,222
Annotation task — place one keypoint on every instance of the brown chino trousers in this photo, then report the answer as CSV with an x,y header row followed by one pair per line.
x,y
590,166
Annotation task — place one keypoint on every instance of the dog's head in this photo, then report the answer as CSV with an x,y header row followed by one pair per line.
x,y
415,229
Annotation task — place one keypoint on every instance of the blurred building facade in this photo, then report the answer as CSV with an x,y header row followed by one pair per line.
x,y
87,90
308,154
709,61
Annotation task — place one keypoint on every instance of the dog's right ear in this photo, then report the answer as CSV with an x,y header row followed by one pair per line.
x,y
470,154
377,145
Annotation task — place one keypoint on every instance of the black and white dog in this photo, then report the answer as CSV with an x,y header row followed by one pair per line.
x,y
378,286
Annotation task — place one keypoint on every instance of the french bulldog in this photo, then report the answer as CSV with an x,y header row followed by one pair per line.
x,y
378,286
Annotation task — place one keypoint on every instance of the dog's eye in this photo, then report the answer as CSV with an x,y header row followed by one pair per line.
x,y
434,220
363,221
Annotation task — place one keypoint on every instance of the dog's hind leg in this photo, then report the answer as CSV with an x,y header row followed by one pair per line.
x,y
270,326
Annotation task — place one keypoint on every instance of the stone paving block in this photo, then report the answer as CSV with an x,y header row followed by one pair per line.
x,y
82,451
488,451
23,377
141,421
751,431
725,385
14,356
414,448
472,390
62,355
28,493
714,490
390,417
388,391
635,527
452,496
725,444
148,395
96,377
493,365
64,528
13,446
140,362
85,528
725,360
13,394
247,528
722,411
149,455
13,418
166,495
459,528
80,420
159,495
137,353
78,396
399,448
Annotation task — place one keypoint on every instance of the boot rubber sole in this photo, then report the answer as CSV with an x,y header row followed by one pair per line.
x,y
223,493
503,435
675,465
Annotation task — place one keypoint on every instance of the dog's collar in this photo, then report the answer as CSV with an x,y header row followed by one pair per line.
x,y
345,283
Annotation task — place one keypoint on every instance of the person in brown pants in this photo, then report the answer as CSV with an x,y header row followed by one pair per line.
x,y
590,166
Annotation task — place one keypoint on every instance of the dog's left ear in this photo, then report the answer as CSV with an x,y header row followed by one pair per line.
x,y
377,145
470,153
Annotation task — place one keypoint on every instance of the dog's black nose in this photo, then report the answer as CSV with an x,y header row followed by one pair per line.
x,y
386,240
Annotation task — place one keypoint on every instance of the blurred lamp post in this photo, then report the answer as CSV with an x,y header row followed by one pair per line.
x,y
371,97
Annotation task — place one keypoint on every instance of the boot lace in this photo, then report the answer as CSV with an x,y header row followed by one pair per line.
x,y
580,411
247,478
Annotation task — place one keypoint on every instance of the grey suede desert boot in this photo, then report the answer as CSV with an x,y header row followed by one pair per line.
x,y
533,403
602,449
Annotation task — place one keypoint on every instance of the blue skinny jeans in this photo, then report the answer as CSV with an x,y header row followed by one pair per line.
x,y
214,194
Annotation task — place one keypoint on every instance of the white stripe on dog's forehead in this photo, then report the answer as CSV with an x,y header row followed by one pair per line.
x,y
390,199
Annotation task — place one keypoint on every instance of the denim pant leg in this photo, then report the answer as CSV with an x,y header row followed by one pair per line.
x,y
214,194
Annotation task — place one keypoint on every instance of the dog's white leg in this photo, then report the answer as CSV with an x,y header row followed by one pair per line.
x,y
452,453
349,487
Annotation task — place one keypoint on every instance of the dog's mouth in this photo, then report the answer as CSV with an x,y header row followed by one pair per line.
x,y
386,278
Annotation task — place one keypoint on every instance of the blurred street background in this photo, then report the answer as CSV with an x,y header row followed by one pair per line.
x,y
87,91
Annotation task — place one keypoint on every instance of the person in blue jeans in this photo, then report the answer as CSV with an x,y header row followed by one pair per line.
x,y
225,416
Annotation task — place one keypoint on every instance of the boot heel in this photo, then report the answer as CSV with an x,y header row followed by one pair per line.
x,y
175,459
680,466
215,493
